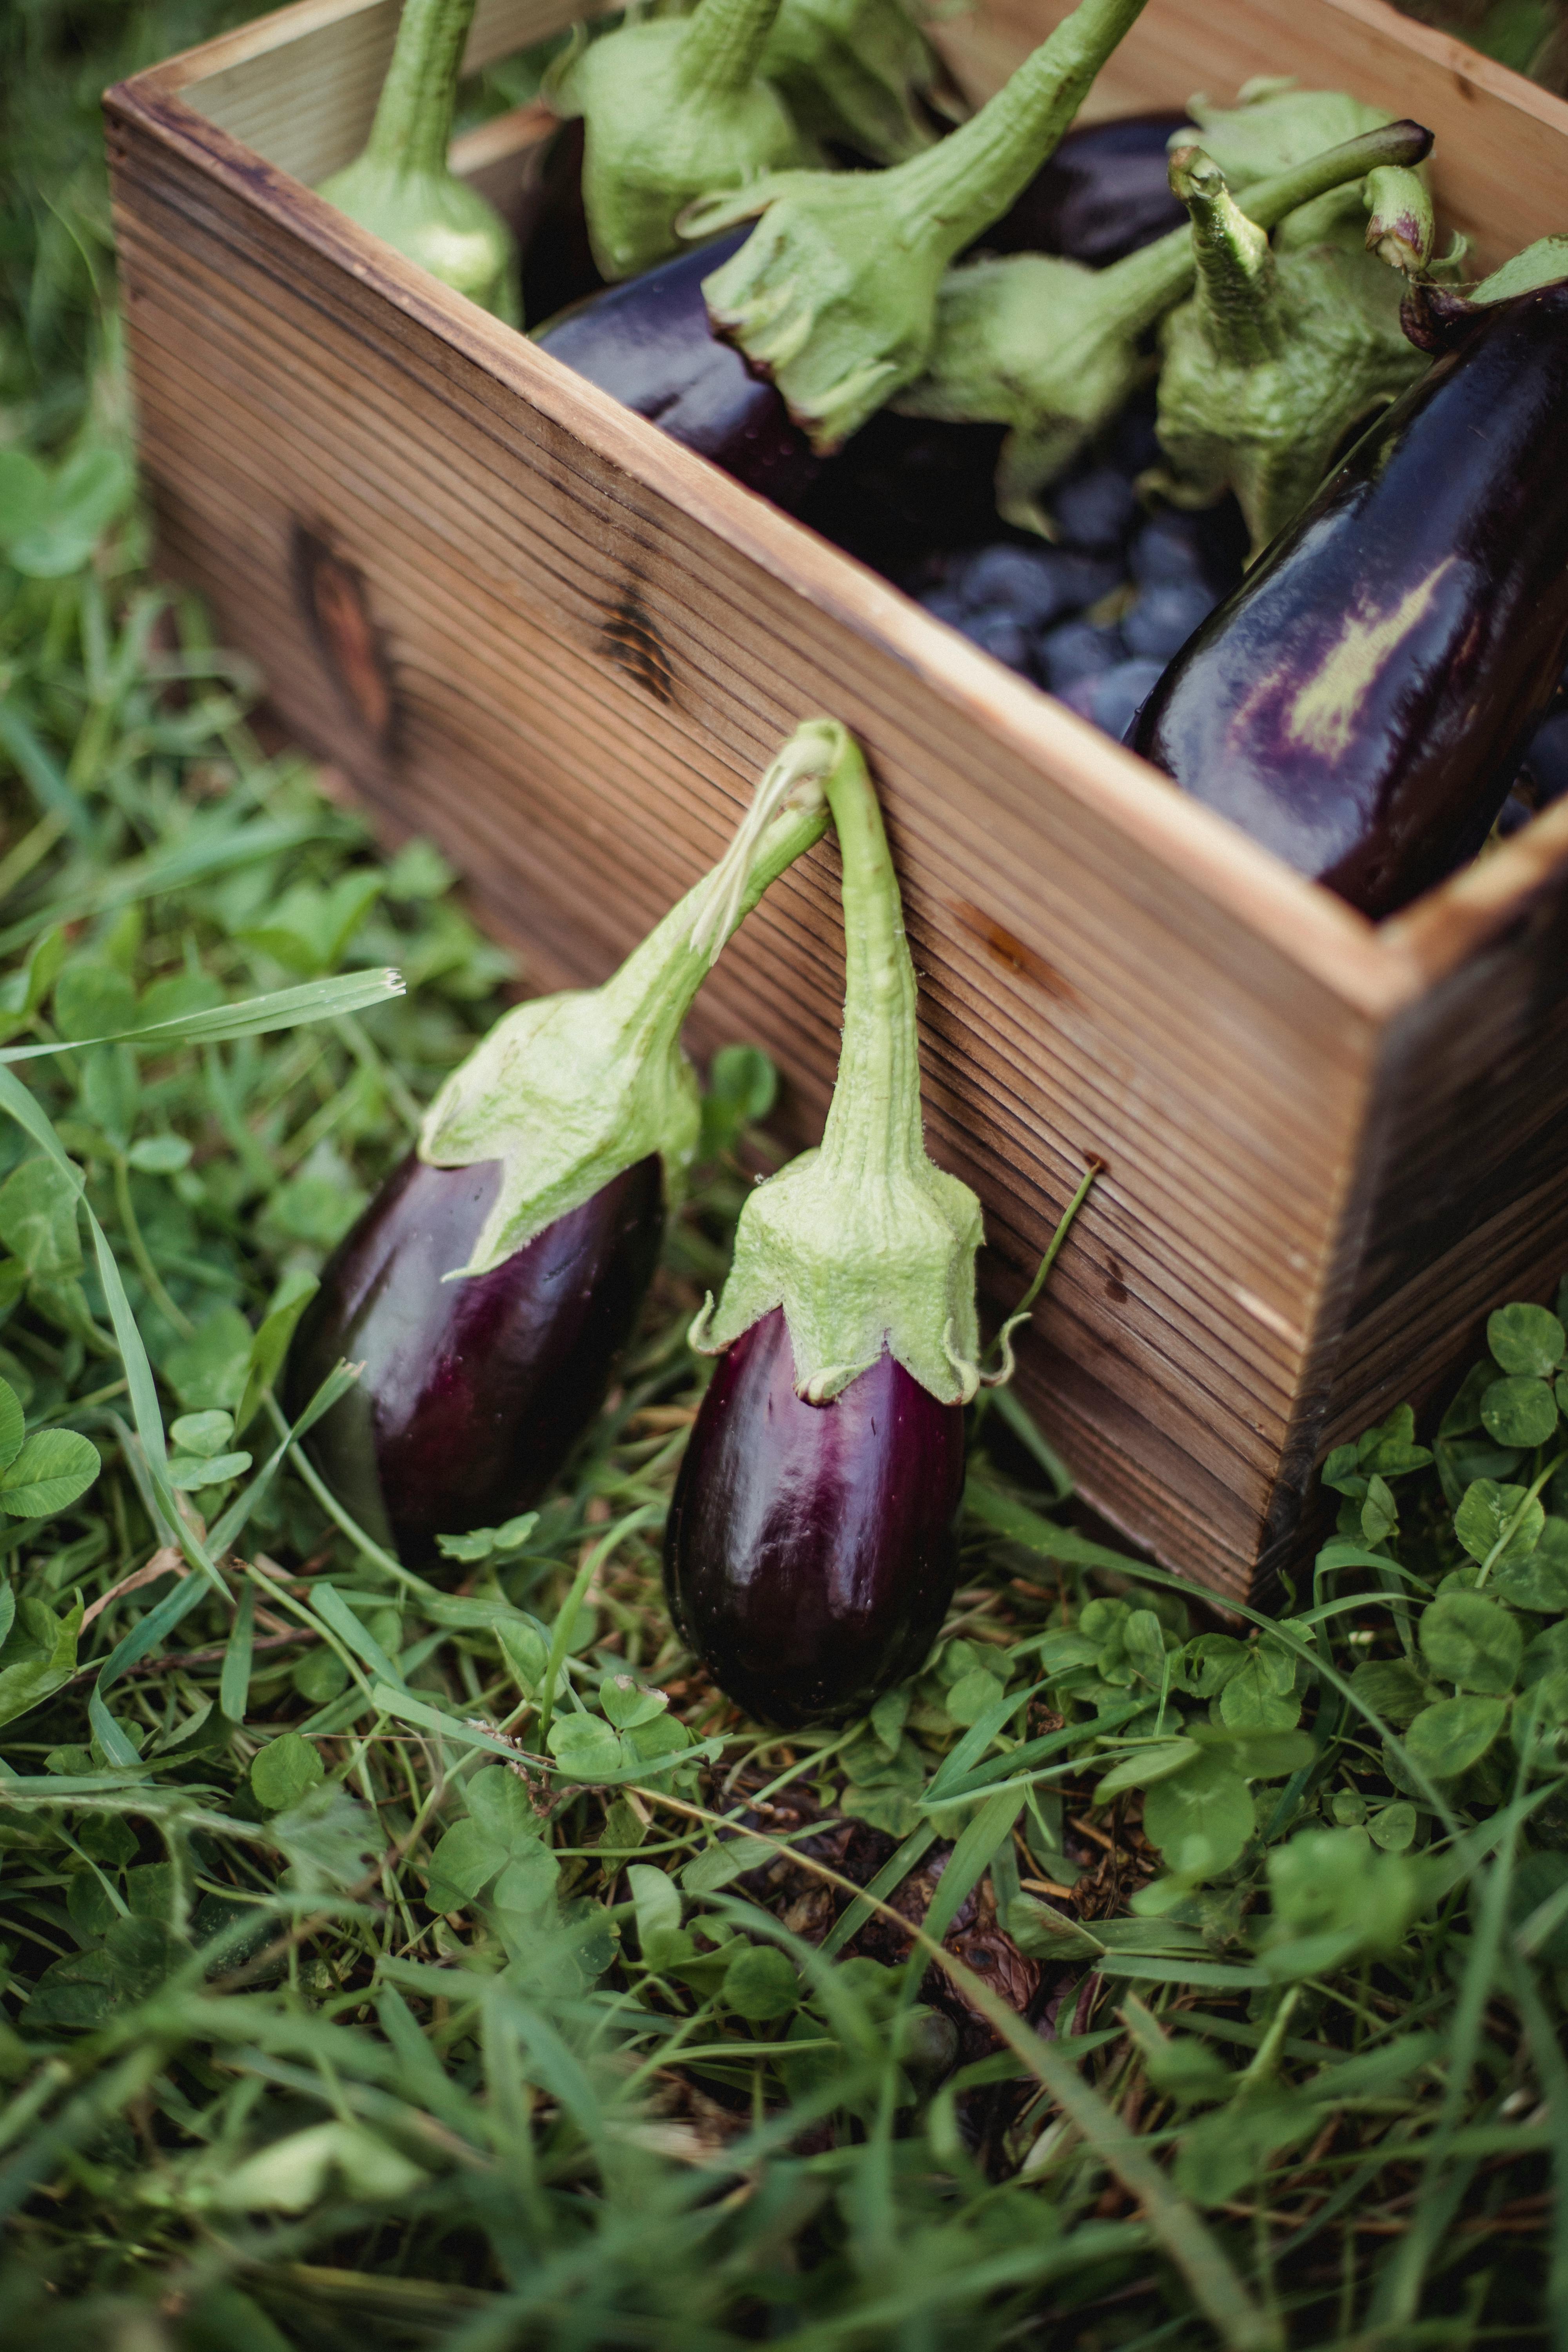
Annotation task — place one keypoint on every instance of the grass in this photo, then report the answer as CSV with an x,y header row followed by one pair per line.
x,y
450,1961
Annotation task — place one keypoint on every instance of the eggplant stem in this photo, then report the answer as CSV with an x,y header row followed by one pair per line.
x,y
969,178
1402,229
873,1126
739,879
723,45
1236,292
569,1091
1150,280
413,126
866,1245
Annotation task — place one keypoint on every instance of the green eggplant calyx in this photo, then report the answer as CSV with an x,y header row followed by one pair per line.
x,y
854,71
1401,228
1272,365
865,1243
834,294
1054,351
1046,347
400,187
672,108
1544,263
568,1091
1237,296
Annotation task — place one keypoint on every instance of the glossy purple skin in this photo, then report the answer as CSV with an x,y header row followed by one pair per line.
x,y
1447,526
812,1550
474,1391
649,343
1105,193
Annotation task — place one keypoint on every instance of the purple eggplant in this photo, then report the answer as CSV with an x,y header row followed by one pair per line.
x,y
810,1551
473,1393
1362,702
1104,193
813,1548
489,1288
649,343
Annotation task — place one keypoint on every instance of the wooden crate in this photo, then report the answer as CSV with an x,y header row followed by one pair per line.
x,y
525,623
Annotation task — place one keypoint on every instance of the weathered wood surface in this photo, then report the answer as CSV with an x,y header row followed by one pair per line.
x,y
527,625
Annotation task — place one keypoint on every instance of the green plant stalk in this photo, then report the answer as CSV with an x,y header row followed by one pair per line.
x,y
568,1091
834,294
413,127
402,187
1402,228
1512,1524
865,1243
1400,2282
723,45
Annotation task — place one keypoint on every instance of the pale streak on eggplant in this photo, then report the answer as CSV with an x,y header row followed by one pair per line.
x,y
1324,714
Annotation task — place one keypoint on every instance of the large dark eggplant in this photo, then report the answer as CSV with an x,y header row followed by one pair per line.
x,y
649,343
1361,704
813,1548
473,1393
1104,193
490,1286
809,1554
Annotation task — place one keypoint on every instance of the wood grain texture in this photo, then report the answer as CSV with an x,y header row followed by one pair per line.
x,y
527,625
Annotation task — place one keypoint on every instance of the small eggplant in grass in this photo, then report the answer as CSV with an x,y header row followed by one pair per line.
x,y
401,187
811,1549
1362,702
1054,351
488,1288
